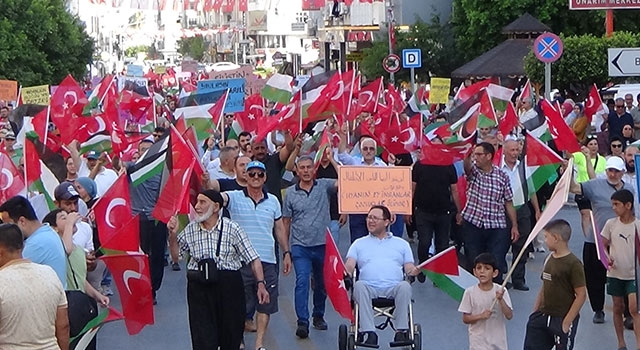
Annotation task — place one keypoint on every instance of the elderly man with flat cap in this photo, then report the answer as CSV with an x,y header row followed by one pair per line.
x,y
217,246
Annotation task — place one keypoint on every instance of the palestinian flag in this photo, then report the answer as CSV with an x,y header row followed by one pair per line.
x,y
445,262
198,117
279,88
38,176
98,142
151,163
451,284
323,144
86,335
234,131
98,95
542,164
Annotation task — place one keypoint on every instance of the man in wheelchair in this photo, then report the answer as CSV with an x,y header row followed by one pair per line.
x,y
381,259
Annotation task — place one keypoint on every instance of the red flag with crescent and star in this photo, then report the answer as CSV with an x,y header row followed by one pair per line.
x,y
334,279
131,274
593,105
113,218
11,181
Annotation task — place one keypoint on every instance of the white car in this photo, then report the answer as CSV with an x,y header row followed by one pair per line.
x,y
222,66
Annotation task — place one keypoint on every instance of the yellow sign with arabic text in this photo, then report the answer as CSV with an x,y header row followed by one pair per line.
x,y
439,92
37,95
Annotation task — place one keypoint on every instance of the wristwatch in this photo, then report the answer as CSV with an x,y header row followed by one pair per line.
x,y
261,281
285,253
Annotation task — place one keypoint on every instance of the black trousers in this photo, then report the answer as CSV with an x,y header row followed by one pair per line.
x,y
544,332
523,215
216,311
595,276
153,241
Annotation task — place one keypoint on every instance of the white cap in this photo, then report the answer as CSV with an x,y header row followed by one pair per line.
x,y
615,162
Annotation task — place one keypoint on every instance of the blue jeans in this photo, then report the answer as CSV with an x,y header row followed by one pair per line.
x,y
358,226
307,260
334,227
487,240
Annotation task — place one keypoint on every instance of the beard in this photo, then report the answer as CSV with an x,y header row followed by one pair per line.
x,y
631,168
204,217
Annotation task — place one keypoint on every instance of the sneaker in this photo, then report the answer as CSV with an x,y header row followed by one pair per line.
x,y
372,339
320,324
106,290
250,326
401,336
598,317
520,286
421,277
175,266
628,322
303,330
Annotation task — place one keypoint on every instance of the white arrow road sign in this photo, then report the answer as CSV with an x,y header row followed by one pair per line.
x,y
624,62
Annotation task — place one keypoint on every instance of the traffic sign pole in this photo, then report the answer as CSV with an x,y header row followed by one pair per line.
x,y
547,48
547,79
413,81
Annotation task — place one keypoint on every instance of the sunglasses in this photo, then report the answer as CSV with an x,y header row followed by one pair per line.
x,y
256,174
616,145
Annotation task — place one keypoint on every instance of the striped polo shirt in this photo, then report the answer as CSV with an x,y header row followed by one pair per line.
x,y
257,220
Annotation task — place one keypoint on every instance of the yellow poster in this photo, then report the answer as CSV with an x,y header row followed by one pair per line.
x,y
37,95
440,88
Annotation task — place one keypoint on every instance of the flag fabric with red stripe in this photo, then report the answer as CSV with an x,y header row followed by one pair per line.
x,y
11,180
67,103
113,218
593,105
446,154
445,262
251,115
563,136
334,273
509,121
131,275
539,154
369,96
217,110
287,119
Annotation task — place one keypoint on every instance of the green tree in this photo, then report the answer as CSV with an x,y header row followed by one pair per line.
x,y
435,41
41,42
583,62
478,23
194,47
134,50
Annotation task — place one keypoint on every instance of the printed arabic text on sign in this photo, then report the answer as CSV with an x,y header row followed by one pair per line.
x,y
548,47
235,100
361,187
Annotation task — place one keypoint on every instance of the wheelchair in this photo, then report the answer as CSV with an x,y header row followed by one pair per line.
x,y
382,307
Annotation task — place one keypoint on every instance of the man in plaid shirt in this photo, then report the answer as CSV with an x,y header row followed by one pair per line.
x,y
489,198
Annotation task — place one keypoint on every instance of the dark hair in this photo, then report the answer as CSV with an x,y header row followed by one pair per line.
x,y
559,227
244,133
623,196
615,138
235,161
17,207
487,147
386,214
11,237
160,129
52,217
589,138
486,259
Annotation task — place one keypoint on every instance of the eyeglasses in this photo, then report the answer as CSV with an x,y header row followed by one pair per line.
x,y
256,174
368,148
616,145
374,218
619,106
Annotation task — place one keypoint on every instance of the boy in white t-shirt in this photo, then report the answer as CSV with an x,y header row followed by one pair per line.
x,y
487,327
618,236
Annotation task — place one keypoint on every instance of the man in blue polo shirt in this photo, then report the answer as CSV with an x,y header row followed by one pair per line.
x,y
306,219
381,258
42,244
258,212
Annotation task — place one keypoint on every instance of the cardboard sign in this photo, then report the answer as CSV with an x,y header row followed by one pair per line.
x,y
160,69
134,70
8,90
361,187
37,95
243,72
235,100
440,88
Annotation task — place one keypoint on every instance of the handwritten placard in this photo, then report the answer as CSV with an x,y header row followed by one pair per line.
x,y
440,88
37,95
235,100
8,90
361,187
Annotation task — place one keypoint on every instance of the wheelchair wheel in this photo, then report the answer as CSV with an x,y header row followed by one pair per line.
x,y
342,337
417,337
351,342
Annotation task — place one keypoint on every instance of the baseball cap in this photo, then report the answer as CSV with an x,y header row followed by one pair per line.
x,y
256,164
93,155
65,191
615,163
10,136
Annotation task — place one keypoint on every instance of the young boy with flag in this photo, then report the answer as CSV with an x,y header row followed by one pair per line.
x,y
487,327
619,239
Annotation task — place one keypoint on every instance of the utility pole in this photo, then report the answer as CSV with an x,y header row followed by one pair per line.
x,y
390,28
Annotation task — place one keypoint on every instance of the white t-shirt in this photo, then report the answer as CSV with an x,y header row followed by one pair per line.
x,y
83,236
31,295
488,334
621,247
104,179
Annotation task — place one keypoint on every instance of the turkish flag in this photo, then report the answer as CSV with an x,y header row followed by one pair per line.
x,y
11,181
31,162
135,104
446,154
334,273
288,118
394,99
593,104
369,96
243,6
228,7
334,97
113,215
445,262
252,113
401,138
509,121
208,5
563,136
67,103
217,5
131,274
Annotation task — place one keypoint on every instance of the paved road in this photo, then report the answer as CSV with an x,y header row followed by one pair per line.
x,y
441,322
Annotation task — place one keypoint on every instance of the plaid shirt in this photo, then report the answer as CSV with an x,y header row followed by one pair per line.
x,y
201,244
486,196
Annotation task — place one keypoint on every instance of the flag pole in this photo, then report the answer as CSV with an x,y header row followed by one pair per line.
x,y
220,125
300,102
107,89
46,130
